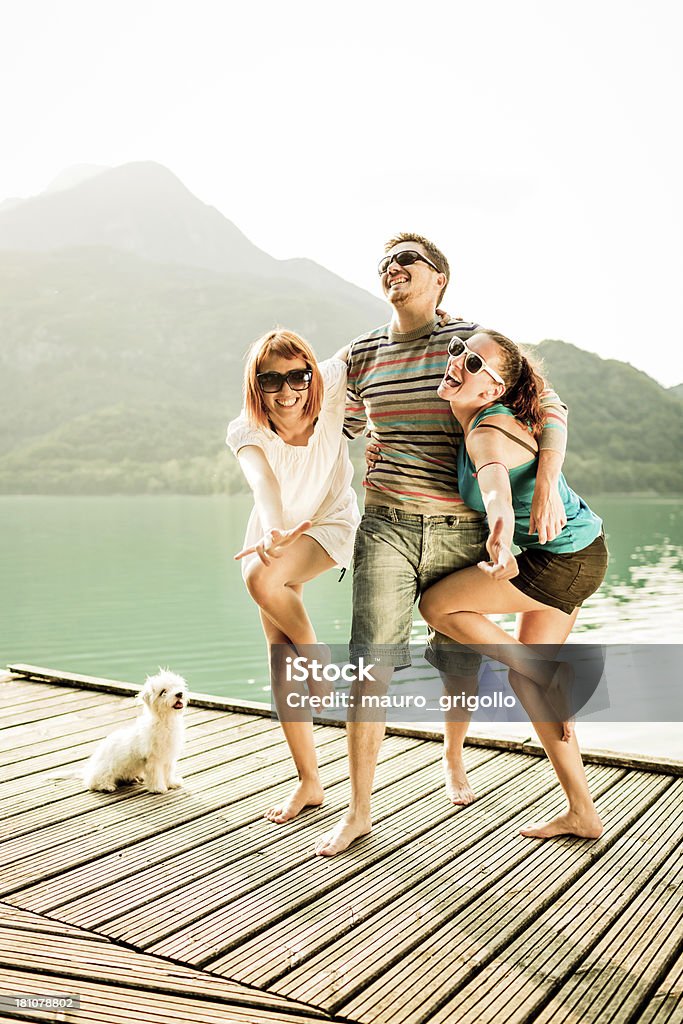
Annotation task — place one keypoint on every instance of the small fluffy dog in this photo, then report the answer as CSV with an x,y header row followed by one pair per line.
x,y
148,750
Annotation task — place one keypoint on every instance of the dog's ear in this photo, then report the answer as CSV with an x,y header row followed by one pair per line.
x,y
145,695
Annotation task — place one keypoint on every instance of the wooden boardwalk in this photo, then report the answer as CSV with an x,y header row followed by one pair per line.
x,y
189,906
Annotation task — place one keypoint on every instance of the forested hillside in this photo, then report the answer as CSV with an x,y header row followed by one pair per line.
x,y
126,306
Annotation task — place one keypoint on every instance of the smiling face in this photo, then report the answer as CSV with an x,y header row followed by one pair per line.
x,y
473,390
417,283
285,404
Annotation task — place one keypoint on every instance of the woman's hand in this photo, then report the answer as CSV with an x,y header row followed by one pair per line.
x,y
503,564
373,455
272,543
548,514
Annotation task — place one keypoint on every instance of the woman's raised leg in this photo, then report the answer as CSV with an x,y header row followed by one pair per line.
x,y
457,606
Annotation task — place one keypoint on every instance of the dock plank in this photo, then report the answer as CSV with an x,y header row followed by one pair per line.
x,y
414,884
665,1003
113,825
457,937
33,944
189,918
177,874
201,837
487,953
190,906
201,754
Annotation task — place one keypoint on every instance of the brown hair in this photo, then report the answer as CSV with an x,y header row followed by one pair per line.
x,y
279,342
523,382
435,255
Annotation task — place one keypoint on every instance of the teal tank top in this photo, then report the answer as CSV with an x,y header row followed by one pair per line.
x,y
583,526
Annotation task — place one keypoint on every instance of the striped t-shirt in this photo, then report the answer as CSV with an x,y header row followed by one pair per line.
x,y
392,384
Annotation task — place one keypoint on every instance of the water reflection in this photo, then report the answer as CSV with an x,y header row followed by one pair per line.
x,y
118,586
641,598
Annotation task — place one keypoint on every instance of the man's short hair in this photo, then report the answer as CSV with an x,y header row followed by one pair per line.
x,y
435,255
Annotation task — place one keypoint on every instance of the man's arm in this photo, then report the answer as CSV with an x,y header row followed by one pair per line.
x,y
548,514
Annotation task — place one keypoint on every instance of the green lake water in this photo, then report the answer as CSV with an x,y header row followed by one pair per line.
x,y
116,586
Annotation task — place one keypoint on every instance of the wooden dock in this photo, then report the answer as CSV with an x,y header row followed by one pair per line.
x,y
190,907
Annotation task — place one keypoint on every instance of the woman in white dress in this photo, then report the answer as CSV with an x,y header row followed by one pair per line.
x,y
290,446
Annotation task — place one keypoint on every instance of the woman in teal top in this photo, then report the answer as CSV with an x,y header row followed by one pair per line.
x,y
494,393
582,525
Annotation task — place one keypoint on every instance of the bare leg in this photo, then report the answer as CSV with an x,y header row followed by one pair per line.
x,y
278,589
443,606
581,817
458,605
364,739
456,724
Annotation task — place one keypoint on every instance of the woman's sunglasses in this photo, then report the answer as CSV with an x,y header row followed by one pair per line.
x,y
404,259
271,382
473,361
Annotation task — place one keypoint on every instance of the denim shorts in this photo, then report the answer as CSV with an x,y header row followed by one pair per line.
x,y
397,556
562,581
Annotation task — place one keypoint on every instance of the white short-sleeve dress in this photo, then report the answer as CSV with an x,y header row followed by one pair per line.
x,y
315,479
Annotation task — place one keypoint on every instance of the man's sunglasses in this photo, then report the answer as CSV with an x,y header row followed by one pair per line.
x,y
473,361
405,258
271,382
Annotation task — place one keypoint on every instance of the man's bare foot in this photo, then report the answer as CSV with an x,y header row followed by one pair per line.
x,y
587,826
348,828
458,789
306,794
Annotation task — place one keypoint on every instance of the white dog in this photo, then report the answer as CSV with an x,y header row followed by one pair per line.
x,y
149,749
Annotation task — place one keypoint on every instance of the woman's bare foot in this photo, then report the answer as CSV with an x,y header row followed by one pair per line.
x,y
349,828
587,826
306,794
458,789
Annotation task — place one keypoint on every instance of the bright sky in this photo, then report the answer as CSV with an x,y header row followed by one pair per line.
x,y
537,143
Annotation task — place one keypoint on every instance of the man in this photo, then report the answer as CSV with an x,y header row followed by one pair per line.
x,y
416,528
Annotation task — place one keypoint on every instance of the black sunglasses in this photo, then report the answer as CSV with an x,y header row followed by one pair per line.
x,y
271,382
404,259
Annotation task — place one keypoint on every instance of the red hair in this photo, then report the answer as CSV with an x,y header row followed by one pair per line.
x,y
288,345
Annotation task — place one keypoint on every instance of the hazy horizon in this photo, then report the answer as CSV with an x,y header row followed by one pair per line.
x,y
534,146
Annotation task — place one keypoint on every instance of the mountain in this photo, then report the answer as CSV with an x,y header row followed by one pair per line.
x,y
126,307
140,208
677,391
74,175
144,209
625,429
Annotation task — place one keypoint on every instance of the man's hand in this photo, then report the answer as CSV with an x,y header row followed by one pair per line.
x,y
503,564
548,514
272,543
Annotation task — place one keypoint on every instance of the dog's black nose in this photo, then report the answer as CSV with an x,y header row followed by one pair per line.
x,y
179,695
